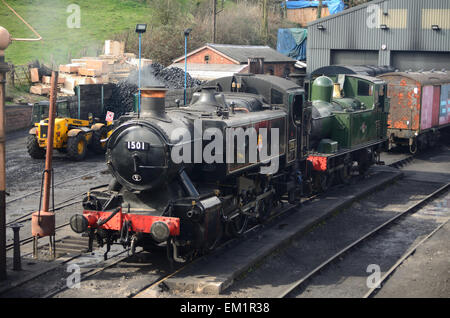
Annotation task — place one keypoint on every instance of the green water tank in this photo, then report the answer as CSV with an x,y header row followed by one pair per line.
x,y
322,89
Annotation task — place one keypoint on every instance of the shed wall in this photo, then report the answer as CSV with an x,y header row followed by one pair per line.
x,y
409,30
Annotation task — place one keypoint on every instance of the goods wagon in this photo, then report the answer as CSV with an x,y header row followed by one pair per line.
x,y
420,107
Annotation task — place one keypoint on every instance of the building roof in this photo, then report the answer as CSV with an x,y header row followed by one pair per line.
x,y
207,72
424,78
370,70
241,53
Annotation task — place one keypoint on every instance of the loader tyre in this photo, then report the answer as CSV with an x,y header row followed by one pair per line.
x,y
33,148
97,135
77,147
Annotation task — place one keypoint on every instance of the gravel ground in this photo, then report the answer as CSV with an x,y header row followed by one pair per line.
x,y
327,239
425,274
348,278
24,174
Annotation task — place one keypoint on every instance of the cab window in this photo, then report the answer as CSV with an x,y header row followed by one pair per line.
x,y
276,97
364,89
62,110
297,109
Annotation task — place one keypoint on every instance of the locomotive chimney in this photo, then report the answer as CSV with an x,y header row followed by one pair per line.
x,y
153,101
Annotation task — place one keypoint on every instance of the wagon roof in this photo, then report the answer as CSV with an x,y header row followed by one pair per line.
x,y
424,78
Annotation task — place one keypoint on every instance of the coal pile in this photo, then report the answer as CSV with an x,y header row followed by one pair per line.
x,y
122,99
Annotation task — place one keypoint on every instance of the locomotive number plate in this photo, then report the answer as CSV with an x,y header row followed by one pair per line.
x,y
137,145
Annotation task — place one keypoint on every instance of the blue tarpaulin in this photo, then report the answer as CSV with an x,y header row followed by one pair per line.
x,y
334,6
292,42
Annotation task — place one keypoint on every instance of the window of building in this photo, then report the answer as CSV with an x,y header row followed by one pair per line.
x,y
206,59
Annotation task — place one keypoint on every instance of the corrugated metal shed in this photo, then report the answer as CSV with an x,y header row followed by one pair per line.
x,y
390,31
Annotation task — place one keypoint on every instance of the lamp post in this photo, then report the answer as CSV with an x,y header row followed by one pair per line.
x,y
140,29
186,34
5,40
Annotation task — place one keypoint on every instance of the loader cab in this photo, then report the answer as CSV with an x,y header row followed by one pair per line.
x,y
40,110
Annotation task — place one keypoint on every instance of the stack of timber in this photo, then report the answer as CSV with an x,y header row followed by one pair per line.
x,y
40,78
111,67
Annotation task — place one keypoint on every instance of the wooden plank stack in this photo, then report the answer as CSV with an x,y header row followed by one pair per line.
x,y
84,71
41,83
110,67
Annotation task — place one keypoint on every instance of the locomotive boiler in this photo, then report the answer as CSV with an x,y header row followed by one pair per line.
x,y
185,177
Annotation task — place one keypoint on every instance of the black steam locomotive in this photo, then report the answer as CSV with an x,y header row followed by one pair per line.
x,y
184,177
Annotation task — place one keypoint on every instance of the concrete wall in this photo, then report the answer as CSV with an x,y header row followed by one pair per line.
x,y
18,117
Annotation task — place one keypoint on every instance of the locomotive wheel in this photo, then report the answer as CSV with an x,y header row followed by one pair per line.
x,y
33,148
364,162
345,174
326,181
413,147
237,226
76,147
323,181
114,185
363,167
265,209
219,233
432,139
97,135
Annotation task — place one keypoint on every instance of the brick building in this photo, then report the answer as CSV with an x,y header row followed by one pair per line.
x,y
211,61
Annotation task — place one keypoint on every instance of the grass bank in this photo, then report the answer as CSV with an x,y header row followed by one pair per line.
x,y
99,21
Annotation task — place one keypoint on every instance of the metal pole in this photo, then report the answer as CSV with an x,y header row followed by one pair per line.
x,y
79,101
265,22
17,264
185,67
214,21
139,84
3,69
50,136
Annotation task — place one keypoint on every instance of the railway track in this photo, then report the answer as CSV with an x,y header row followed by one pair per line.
x,y
283,210
56,184
27,215
92,272
400,163
291,288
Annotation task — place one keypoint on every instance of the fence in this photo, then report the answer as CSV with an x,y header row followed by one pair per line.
x,y
19,75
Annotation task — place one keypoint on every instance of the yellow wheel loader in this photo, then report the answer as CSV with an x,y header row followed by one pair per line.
x,y
72,136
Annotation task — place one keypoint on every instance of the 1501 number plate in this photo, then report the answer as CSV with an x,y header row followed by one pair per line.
x,y
137,145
